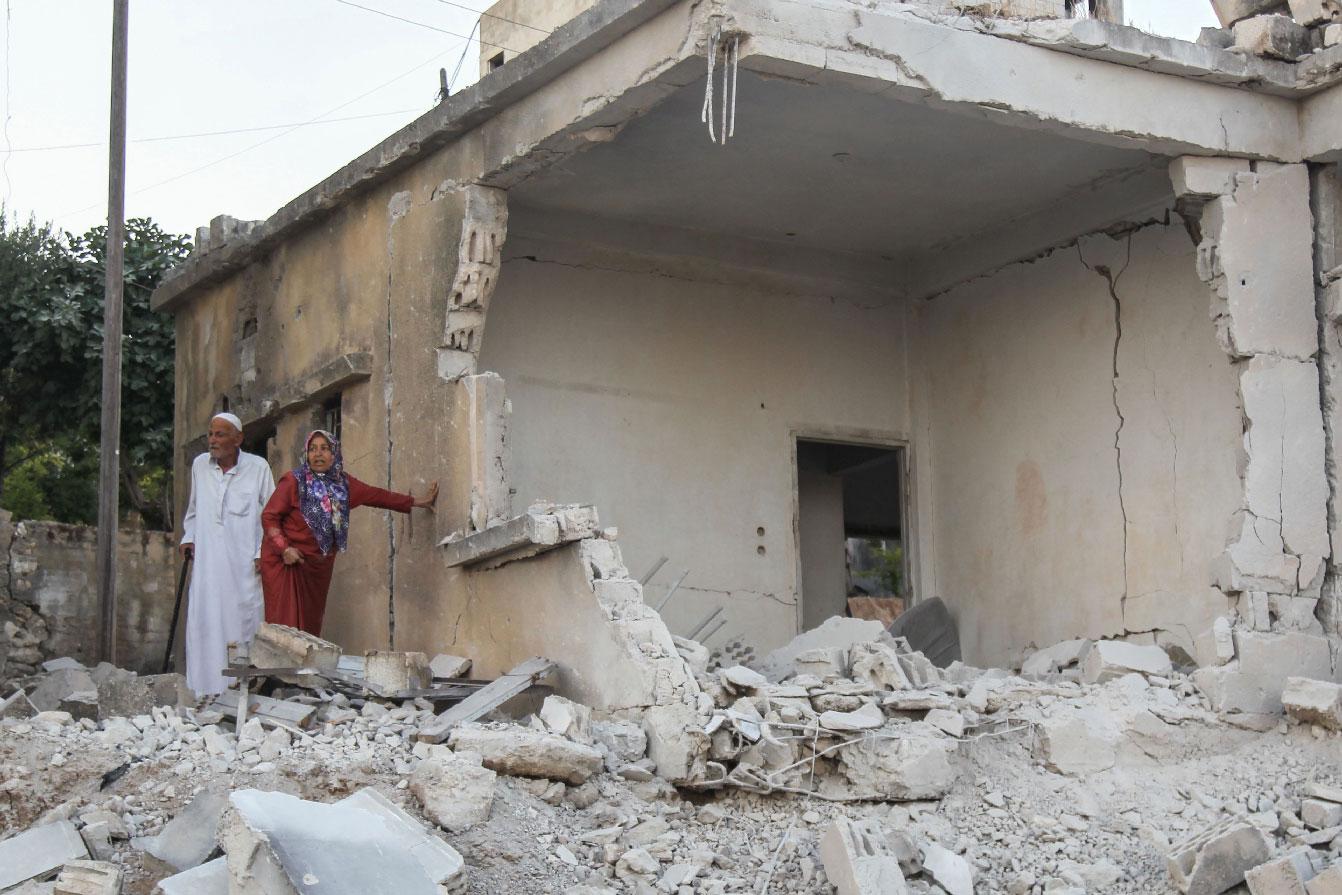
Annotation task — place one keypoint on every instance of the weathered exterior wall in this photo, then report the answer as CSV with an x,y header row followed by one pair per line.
x,y
512,27
1069,500
49,595
670,395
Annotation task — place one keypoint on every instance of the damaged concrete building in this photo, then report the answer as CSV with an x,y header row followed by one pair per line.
x,y
1048,302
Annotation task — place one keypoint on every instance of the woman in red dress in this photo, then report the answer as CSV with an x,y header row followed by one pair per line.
x,y
306,521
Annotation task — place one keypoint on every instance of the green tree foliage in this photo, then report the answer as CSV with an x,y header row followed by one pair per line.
x,y
51,330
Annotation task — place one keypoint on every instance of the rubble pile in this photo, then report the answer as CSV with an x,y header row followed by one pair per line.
x,y
1288,30
847,762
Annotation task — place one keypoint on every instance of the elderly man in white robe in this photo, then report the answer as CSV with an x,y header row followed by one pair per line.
x,y
222,533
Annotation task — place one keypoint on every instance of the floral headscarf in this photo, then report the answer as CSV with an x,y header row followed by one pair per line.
x,y
323,497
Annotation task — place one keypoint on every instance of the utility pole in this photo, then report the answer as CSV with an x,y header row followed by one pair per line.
x,y
109,456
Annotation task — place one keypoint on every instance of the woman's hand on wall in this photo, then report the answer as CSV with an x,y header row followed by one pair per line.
x,y
429,498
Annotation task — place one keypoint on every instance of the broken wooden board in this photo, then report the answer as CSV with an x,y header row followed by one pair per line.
x,y
285,714
880,609
486,699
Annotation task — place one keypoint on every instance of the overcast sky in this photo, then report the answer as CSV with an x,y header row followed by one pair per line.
x,y
243,65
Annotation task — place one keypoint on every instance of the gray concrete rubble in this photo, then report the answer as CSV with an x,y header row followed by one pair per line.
x,y
1218,858
524,752
279,646
1313,702
39,851
276,843
859,862
447,666
89,878
188,840
455,790
392,672
207,879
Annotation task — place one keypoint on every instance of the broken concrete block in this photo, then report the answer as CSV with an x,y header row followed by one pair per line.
x,y
824,663
1319,814
17,705
868,717
1329,882
1332,36
39,851
440,861
455,793
277,844
523,752
445,666
947,721
624,739
188,839
567,718
1315,12
1228,12
207,879
98,840
1254,681
948,870
1273,36
51,665
1204,178
695,654
126,697
906,765
89,878
858,861
677,743
741,679
1223,640
1109,659
1286,875
1081,741
392,672
68,690
837,632
879,665
279,646
1294,613
1315,790
1218,857
1313,702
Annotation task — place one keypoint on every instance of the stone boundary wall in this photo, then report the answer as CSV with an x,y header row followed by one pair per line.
x,y
49,598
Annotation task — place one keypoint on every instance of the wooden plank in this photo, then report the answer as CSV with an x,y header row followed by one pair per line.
x,y
290,713
486,699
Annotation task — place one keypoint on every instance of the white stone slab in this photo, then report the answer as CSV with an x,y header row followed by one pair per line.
x,y
38,851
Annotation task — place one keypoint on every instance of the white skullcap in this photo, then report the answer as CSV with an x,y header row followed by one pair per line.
x,y
229,418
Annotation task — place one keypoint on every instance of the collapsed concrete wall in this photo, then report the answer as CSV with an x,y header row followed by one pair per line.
x,y
670,392
1081,433
48,594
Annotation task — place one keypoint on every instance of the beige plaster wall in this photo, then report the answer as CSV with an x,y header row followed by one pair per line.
x,y
824,579
1034,538
669,396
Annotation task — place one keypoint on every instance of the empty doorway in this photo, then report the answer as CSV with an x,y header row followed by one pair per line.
x,y
852,526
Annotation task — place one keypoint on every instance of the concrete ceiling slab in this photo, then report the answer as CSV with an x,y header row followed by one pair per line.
x,y
836,169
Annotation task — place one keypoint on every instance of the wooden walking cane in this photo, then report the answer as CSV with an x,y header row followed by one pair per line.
x,y
176,612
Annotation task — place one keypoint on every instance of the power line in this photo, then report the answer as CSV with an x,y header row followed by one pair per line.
x,y
240,130
490,15
464,50
315,119
422,24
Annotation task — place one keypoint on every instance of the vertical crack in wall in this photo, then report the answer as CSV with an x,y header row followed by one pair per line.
x,y
1111,281
1325,198
399,205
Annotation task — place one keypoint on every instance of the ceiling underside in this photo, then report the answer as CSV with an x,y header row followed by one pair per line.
x,y
838,170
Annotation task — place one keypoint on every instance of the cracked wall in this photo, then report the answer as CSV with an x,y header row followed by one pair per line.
x,y
666,390
1256,254
1326,205
1081,428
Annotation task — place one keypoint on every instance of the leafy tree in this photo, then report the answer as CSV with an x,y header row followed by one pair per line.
x,y
51,330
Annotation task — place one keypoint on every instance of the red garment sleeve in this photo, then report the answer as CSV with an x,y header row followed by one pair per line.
x,y
361,495
282,501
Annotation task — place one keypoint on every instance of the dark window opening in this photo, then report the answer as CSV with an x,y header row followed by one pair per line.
x,y
260,441
496,61
249,327
223,404
330,416
852,526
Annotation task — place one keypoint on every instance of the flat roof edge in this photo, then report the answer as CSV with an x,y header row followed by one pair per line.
x,y
573,43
